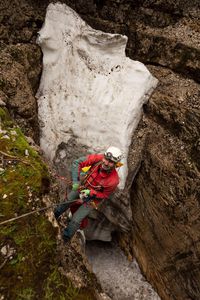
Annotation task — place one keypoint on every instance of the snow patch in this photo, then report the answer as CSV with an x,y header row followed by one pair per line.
x,y
89,89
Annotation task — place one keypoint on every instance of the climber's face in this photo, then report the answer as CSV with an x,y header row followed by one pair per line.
x,y
107,164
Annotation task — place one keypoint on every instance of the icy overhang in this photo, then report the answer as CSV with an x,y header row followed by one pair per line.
x,y
89,89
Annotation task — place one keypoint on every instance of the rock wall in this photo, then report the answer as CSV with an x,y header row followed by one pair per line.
x,y
21,61
165,193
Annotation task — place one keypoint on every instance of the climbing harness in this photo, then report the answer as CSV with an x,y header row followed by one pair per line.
x,y
87,176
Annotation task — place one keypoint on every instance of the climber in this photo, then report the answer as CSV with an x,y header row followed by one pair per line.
x,y
98,183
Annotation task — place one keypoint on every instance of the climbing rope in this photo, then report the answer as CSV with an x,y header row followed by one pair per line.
x,y
36,211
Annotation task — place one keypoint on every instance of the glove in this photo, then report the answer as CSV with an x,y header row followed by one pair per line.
x,y
85,193
75,186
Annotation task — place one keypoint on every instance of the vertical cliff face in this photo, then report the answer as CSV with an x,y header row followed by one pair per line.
x,y
165,193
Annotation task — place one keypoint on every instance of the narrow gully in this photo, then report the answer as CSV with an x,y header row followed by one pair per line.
x,y
120,278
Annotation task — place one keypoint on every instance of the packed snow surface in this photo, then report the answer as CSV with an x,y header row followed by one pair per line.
x,y
120,279
89,89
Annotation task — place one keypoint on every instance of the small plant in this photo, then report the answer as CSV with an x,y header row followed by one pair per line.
x,y
71,292
17,259
27,294
8,230
56,289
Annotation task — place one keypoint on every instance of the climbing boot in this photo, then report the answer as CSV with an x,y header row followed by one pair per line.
x,y
66,239
56,214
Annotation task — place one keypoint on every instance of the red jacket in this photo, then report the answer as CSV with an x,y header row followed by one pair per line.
x,y
100,183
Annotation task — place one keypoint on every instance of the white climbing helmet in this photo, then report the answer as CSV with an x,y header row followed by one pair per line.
x,y
114,154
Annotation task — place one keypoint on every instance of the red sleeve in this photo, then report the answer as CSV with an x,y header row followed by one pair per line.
x,y
90,160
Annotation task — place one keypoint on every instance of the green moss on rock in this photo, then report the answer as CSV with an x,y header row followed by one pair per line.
x,y
28,246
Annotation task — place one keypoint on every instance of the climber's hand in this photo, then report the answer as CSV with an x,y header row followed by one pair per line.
x,y
84,193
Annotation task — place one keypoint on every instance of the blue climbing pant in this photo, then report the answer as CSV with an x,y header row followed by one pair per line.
x,y
76,220
77,217
60,209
